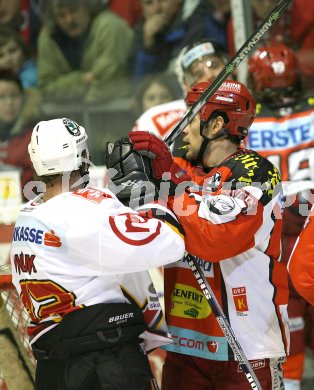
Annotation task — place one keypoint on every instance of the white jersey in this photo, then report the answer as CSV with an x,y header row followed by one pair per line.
x,y
84,248
162,118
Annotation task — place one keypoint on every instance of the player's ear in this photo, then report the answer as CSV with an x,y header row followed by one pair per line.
x,y
218,124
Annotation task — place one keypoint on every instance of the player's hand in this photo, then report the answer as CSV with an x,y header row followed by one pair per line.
x,y
153,147
129,174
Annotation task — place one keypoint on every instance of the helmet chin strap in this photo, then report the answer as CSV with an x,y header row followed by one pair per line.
x,y
206,141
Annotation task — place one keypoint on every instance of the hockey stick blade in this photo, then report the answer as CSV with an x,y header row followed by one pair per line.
x,y
224,324
227,71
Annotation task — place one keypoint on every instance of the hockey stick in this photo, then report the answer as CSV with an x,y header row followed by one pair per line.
x,y
228,69
224,324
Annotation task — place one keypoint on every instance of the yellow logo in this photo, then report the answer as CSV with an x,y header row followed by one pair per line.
x,y
188,302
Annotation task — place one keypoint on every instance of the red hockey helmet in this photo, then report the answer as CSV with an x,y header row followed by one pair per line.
x,y
274,67
233,100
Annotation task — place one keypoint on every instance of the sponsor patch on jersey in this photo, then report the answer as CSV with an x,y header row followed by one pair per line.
x,y
37,236
279,134
166,120
72,127
92,194
191,342
188,302
24,263
240,300
212,346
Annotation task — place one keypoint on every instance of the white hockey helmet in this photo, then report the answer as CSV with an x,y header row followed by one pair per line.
x,y
56,146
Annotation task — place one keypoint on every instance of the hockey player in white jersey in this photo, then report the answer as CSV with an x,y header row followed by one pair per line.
x,y
79,262
197,62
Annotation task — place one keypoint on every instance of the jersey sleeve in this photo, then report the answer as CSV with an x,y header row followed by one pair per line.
x,y
237,216
301,263
137,241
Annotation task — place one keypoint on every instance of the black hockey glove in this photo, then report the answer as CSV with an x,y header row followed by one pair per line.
x,y
129,174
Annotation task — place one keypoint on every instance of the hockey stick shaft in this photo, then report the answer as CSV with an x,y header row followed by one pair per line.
x,y
227,71
224,324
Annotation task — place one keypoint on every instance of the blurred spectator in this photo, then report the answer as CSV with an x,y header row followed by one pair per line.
x,y
153,90
13,145
295,28
167,26
25,16
130,10
82,54
16,55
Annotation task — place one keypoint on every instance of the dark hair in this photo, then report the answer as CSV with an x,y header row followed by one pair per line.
x,y
9,76
93,6
167,80
8,33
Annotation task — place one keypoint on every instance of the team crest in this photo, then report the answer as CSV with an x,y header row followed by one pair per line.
x,y
72,127
213,182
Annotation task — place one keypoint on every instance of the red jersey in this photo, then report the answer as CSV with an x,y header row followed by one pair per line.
x,y
232,222
301,263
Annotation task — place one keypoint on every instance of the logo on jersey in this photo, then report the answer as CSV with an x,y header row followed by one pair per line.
x,y
92,194
133,229
221,205
166,120
240,300
188,302
213,182
50,239
24,263
212,346
37,236
72,127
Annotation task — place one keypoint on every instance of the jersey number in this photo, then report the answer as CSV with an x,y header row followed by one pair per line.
x,y
43,298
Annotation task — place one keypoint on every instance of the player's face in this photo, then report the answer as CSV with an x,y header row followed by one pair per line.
x,y
11,99
154,95
192,138
206,69
73,21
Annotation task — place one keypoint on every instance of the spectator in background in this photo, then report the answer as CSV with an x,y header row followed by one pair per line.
x,y
295,28
153,90
16,55
167,27
13,145
82,53
25,16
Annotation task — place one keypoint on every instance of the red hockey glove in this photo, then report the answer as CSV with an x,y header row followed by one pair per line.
x,y
148,144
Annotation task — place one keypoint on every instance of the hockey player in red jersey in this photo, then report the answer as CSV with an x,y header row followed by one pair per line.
x,y
283,131
232,220
301,262
79,259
